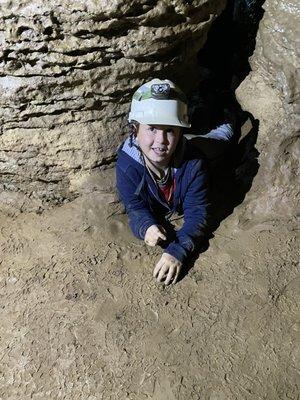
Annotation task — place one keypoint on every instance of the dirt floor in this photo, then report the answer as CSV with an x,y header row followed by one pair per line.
x,y
82,317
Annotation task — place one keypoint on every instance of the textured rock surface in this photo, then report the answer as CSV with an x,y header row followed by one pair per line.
x,y
67,70
271,94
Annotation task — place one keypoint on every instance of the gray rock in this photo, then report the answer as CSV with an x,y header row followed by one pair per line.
x,y
67,72
270,94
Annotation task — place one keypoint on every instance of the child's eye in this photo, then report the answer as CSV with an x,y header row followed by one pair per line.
x,y
152,128
170,131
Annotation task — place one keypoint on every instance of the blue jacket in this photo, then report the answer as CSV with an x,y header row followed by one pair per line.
x,y
145,206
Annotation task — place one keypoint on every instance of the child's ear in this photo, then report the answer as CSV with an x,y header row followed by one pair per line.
x,y
133,128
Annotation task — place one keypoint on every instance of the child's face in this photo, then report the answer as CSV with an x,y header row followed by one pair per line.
x,y
158,142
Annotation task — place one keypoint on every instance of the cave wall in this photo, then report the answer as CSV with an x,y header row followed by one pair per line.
x,y
67,72
271,93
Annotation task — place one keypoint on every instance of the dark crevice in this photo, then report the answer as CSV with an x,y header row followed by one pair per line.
x,y
22,29
43,49
48,31
117,29
115,33
41,114
117,94
82,52
47,181
93,65
83,33
231,41
57,36
224,64
167,55
108,161
56,75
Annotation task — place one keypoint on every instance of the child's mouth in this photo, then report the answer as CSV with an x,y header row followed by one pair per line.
x,y
160,151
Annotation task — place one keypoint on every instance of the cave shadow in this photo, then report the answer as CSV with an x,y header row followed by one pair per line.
x,y
223,65
231,176
230,179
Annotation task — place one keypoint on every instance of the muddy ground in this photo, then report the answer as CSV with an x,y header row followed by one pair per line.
x,y
83,319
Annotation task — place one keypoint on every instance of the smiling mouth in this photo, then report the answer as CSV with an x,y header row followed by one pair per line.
x,y
159,150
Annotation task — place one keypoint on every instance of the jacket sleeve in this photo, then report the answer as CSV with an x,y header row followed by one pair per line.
x,y
195,210
140,217
222,132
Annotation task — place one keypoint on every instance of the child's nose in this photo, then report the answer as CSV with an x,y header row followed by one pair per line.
x,y
161,136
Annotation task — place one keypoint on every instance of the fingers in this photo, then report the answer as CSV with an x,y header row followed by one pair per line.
x,y
162,273
159,233
167,269
176,276
163,231
154,234
161,236
157,268
171,274
151,243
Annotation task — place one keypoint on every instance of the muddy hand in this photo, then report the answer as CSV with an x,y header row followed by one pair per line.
x,y
154,234
168,268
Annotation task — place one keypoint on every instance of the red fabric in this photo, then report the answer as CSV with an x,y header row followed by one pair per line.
x,y
168,189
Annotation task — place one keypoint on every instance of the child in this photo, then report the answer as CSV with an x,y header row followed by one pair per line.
x,y
160,173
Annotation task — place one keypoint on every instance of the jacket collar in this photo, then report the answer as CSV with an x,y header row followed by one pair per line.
x,y
131,148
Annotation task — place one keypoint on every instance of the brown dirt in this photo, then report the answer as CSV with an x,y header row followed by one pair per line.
x,y
82,317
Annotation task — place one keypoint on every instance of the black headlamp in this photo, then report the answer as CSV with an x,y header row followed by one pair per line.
x,y
160,90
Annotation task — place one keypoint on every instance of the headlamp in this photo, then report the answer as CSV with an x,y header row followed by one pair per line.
x,y
160,90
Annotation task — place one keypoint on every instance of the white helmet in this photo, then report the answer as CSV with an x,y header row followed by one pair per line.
x,y
159,102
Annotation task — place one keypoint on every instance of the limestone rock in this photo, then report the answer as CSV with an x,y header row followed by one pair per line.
x,y
67,71
270,94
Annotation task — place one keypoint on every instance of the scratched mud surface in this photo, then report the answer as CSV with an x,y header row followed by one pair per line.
x,y
82,317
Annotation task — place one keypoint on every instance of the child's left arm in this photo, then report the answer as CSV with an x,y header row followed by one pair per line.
x,y
195,211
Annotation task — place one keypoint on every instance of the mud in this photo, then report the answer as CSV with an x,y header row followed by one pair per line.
x,y
82,317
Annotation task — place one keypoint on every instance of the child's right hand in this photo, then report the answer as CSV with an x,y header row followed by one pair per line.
x,y
154,234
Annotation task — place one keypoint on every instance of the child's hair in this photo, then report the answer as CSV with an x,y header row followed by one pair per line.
x,y
133,127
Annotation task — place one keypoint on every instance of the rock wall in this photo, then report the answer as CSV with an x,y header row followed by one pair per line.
x,y
67,71
271,94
